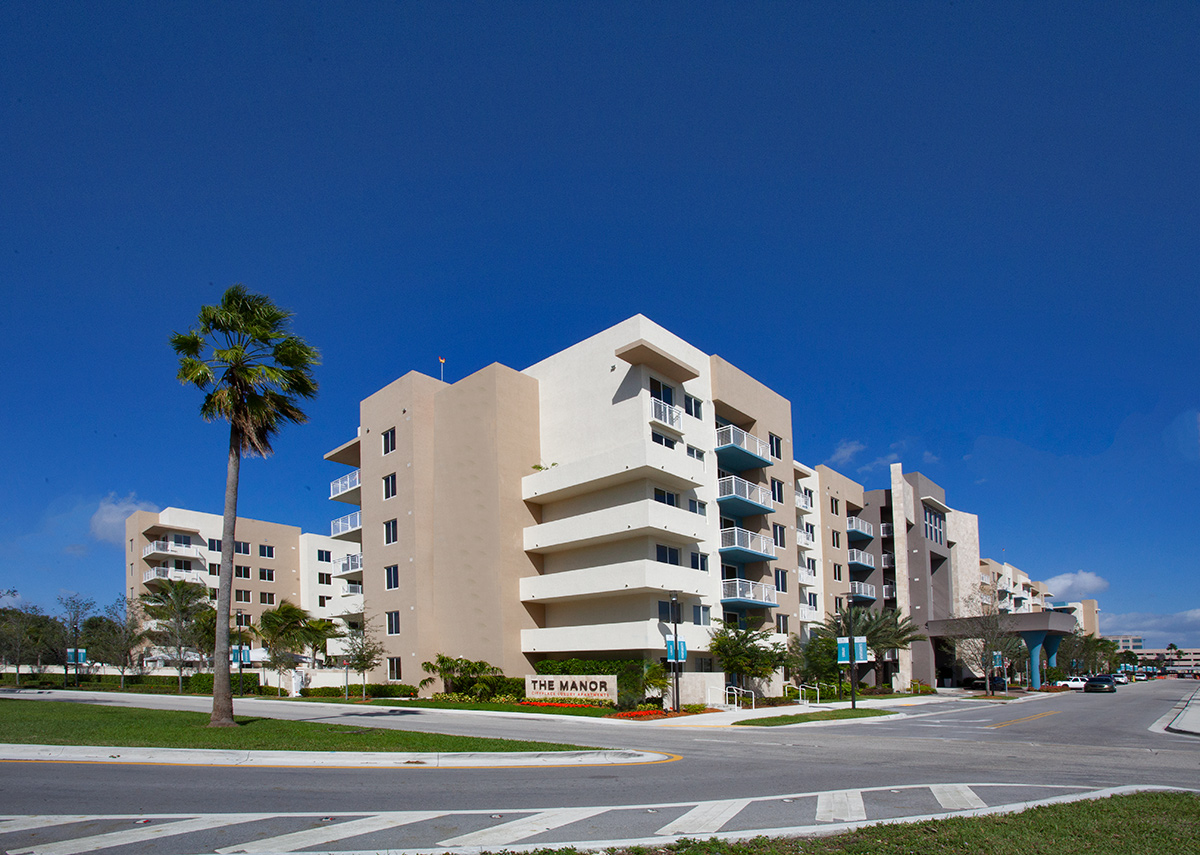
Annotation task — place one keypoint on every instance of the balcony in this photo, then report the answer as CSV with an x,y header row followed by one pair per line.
x,y
739,498
352,589
349,565
746,593
162,574
629,578
889,592
666,415
857,529
348,527
862,591
738,451
633,462
889,561
637,519
620,635
860,558
806,576
886,530
807,614
167,548
804,502
805,540
346,488
737,544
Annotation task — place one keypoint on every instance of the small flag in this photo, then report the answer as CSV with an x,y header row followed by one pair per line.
x,y
442,360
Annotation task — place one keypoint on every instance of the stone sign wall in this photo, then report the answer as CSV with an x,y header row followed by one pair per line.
x,y
588,687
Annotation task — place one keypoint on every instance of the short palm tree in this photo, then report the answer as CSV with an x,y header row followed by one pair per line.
x,y
284,632
175,606
252,371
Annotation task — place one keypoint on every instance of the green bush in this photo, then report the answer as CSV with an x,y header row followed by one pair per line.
x,y
202,684
694,708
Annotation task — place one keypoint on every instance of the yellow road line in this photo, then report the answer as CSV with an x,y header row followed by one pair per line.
x,y
1026,718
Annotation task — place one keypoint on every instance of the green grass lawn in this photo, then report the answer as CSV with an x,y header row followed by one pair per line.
x,y
799,718
1158,823
57,723
593,712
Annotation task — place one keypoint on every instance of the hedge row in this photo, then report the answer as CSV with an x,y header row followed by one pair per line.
x,y
373,690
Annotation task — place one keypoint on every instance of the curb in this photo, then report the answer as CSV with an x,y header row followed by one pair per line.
x,y
1191,710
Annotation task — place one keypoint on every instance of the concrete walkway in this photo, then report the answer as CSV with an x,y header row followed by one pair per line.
x,y
1188,719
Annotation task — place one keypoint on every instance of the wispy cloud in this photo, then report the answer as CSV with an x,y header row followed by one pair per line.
x,y
929,457
108,522
846,451
886,460
1157,630
1081,583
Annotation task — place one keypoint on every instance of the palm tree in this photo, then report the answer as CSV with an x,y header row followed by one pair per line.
x,y
252,372
884,630
176,606
284,631
318,631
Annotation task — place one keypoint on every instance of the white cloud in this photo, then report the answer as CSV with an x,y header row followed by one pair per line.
x,y
929,457
108,522
845,452
1180,628
887,460
1077,585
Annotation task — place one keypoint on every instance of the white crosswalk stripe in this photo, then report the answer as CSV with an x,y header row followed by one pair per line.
x,y
956,796
841,806
335,831
705,818
519,829
24,823
141,834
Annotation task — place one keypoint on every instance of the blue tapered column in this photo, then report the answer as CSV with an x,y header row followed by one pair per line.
x,y
1033,641
1052,643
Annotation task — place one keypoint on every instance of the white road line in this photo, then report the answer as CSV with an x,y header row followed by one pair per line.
x,y
335,831
141,834
24,823
841,806
519,829
956,797
705,818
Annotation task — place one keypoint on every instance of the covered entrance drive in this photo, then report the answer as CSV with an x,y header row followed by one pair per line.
x,y
1039,630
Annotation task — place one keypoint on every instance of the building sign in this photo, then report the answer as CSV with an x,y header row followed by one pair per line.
x,y
583,686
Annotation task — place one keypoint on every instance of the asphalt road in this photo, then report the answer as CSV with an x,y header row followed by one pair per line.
x,y
726,778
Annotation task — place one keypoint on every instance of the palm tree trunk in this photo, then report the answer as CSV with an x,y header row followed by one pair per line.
x,y
222,708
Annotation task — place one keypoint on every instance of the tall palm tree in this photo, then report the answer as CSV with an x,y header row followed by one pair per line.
x,y
252,371
884,630
175,606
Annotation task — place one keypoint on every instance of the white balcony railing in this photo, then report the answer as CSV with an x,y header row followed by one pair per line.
x,y
349,564
739,538
861,526
348,482
351,589
807,614
889,592
862,589
730,435
170,548
857,556
664,413
886,529
986,599
344,524
804,501
732,485
743,589
807,577
803,538
171,573
889,561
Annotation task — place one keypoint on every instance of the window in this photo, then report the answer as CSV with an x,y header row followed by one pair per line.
x,y
779,533
701,615
265,551
389,485
240,596
837,572
777,490
181,539
214,545
322,602
700,561
324,578
781,580
662,392
393,623
665,441
812,599
812,564
665,615
241,547
389,532
697,507
243,619
781,624
935,525
695,453
833,505
776,446
324,556
214,569
389,440
391,577
666,498
266,598
241,572
835,538
693,407
838,604
212,593
181,564
394,665
810,531
265,574
732,619
666,554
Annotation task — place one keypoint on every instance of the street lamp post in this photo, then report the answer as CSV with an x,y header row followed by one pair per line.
x,y
675,631
241,681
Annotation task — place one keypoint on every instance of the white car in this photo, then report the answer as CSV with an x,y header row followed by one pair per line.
x,y
1072,682
1121,679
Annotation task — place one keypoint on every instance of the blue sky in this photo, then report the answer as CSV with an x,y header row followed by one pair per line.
x,y
964,238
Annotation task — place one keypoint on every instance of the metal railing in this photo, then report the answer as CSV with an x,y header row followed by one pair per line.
x,y
861,526
732,485
663,412
800,692
807,577
172,548
889,592
804,501
857,556
741,539
733,693
862,589
345,484
156,573
889,560
803,538
744,589
730,435
344,524
351,588
886,529
807,614
349,564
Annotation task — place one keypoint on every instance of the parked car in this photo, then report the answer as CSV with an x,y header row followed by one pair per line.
x,y
1072,682
1139,677
1100,683
1120,679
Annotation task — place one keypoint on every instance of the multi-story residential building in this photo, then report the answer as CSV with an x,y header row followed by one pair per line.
x,y
1008,589
840,498
1086,613
559,511
809,552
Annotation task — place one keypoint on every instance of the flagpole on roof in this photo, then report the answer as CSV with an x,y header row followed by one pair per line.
x,y
442,364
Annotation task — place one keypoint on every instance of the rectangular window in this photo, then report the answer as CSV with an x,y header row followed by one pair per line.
x,y
393,623
811,564
181,539
322,602
389,440
389,532
664,441
697,507
389,485
241,547
266,598
776,446
731,619
666,554
325,556
835,538
701,615
695,453
833,505
662,392
935,525
812,600
665,615
243,619
777,490
181,564
693,407
324,578
700,561
265,574
265,551
241,572
240,596
394,665
781,624
810,531
391,577
214,569
666,498
781,580
214,545
837,572
779,533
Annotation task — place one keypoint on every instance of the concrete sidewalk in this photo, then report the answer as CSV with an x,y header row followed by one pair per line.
x,y
1188,719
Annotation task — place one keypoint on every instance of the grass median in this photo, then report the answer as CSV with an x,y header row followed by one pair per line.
x,y
801,718
57,723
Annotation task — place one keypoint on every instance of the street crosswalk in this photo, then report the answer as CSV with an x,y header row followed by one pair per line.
x,y
498,828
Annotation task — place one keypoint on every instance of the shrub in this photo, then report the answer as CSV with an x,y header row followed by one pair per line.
x,y
694,708
202,684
